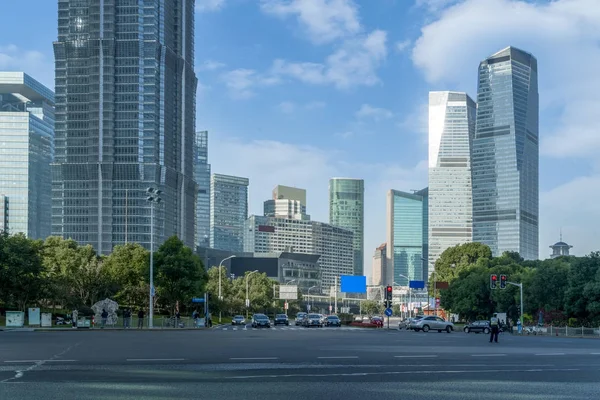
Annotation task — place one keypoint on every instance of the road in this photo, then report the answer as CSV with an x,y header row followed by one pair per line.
x,y
294,363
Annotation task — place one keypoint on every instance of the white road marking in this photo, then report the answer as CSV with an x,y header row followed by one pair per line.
x,y
488,355
595,354
235,328
429,356
253,358
224,329
337,357
551,354
155,359
22,361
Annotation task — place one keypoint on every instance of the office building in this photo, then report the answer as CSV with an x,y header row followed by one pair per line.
x,y
228,212
202,178
334,244
26,151
560,248
287,202
347,210
125,116
505,154
378,269
451,132
406,237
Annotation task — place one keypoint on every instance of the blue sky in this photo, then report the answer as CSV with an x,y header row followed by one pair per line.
x,y
294,92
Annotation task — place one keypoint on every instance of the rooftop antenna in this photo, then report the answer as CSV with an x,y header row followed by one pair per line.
x,y
561,233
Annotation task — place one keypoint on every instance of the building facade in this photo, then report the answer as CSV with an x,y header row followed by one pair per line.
x,y
334,244
125,116
347,210
451,132
228,211
407,237
202,178
505,154
379,267
26,151
287,202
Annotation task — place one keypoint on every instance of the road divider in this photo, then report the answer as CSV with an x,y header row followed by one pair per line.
x,y
420,356
155,359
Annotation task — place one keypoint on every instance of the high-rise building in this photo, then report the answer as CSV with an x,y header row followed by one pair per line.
x,y
125,116
26,151
228,212
347,210
378,269
406,237
505,154
202,178
451,131
287,202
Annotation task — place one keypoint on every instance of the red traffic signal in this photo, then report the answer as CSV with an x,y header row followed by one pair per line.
x,y
503,281
389,288
493,281
388,293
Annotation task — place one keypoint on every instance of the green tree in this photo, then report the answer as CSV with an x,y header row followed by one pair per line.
x,y
179,273
371,307
128,268
455,260
212,286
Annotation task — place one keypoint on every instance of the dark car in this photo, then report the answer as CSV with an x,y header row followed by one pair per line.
x,y
333,320
260,320
377,321
312,320
238,320
478,327
281,319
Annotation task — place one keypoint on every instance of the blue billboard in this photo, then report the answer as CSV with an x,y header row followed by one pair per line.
x,y
353,284
416,284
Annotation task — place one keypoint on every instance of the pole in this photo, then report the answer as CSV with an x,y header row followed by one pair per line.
x,y
521,289
151,307
126,214
410,302
247,300
335,298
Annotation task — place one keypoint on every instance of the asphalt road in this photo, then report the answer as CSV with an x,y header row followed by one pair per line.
x,y
303,363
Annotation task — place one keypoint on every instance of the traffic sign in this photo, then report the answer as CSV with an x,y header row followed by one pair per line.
x,y
330,308
286,305
197,300
388,312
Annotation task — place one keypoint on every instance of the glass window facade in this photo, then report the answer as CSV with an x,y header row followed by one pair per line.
x,y
505,154
125,116
451,132
26,151
202,178
347,210
228,212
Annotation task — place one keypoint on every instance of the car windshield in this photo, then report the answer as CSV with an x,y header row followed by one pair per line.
x,y
281,316
314,316
332,317
260,316
238,317
300,315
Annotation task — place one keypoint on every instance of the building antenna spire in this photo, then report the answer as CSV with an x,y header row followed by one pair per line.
x,y
561,233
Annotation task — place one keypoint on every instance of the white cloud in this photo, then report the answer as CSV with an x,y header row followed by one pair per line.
x,y
210,65
32,62
435,5
564,37
287,107
209,5
345,135
241,82
378,114
269,163
323,20
403,45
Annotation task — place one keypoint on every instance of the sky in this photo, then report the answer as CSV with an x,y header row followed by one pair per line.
x,y
295,92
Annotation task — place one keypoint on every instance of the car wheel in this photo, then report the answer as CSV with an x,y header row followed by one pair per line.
x,y
486,331
425,328
467,330
448,329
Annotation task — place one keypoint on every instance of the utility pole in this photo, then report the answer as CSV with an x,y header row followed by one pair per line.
x,y
520,285
335,298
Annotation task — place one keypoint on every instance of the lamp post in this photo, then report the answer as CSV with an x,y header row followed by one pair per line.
x,y
309,298
220,296
247,299
153,198
409,294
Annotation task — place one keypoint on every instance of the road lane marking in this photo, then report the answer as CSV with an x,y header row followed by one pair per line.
x,y
336,357
155,359
235,328
22,361
253,358
488,355
550,354
595,354
430,356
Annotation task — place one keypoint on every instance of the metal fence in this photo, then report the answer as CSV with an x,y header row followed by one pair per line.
x,y
159,323
560,331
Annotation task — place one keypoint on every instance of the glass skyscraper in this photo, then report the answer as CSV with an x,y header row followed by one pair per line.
x,y
202,178
451,132
228,212
407,243
505,154
125,115
347,210
26,151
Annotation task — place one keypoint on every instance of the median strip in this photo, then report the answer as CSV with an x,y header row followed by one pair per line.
x,y
550,354
488,355
155,359
428,356
336,357
252,358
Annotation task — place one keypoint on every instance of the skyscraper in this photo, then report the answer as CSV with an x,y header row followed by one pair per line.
x,y
228,212
347,210
202,178
505,154
379,267
26,151
451,132
287,202
125,114
406,237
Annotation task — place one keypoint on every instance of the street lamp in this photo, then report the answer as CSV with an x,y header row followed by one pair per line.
x,y
247,299
153,198
309,298
220,296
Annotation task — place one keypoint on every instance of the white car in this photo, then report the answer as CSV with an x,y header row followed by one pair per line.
x,y
433,323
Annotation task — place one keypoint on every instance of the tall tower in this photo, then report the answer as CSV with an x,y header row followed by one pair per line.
x,y
451,132
347,210
202,178
125,115
505,154
228,212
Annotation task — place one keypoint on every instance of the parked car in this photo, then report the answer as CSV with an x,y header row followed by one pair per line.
x,y
300,318
433,323
281,319
377,321
238,320
478,327
333,320
260,320
312,320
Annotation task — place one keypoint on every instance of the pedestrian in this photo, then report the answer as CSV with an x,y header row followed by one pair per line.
x,y
104,316
494,324
74,316
195,317
126,318
140,319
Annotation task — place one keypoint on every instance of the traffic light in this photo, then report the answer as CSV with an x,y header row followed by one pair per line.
x,y
502,281
493,281
388,293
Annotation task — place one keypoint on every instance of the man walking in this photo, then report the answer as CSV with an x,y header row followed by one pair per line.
x,y
141,315
494,324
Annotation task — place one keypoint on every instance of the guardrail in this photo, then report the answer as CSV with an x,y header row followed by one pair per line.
x,y
560,331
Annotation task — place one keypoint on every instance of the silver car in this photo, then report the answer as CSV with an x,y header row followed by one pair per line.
x,y
299,318
433,323
411,324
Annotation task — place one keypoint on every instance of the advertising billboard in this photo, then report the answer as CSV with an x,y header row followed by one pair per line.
x,y
353,284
